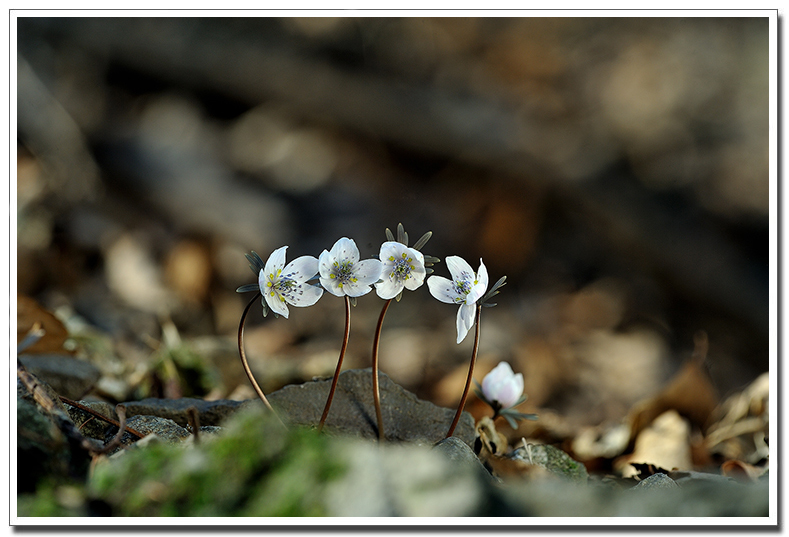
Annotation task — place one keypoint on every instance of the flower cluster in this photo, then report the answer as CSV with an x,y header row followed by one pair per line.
x,y
342,272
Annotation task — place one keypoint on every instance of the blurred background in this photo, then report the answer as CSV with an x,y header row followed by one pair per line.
x,y
614,169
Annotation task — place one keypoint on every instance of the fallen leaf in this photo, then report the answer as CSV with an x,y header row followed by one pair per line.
x,y
690,393
741,471
29,312
665,443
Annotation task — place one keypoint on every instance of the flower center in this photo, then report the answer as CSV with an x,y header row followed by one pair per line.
x,y
283,286
402,268
343,272
463,286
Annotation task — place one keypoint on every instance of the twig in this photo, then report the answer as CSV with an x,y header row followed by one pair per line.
x,y
96,414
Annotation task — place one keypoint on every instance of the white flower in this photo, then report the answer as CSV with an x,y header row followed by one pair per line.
x,y
403,267
503,386
342,273
465,289
281,285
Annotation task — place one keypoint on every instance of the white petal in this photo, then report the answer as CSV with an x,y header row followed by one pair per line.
x,y
465,320
263,282
305,295
367,272
391,249
332,286
420,259
301,269
442,289
275,261
459,269
324,264
517,390
344,250
492,380
388,288
417,277
276,304
354,289
479,288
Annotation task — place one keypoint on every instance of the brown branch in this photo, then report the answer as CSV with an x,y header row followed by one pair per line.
x,y
102,417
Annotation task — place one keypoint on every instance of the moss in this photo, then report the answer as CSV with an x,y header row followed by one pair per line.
x,y
254,468
52,499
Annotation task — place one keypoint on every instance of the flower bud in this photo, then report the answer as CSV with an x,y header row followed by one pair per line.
x,y
502,385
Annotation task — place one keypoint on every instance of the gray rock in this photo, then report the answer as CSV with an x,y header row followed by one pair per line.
x,y
561,498
210,413
89,425
402,480
690,477
41,449
655,482
406,418
458,452
68,376
164,428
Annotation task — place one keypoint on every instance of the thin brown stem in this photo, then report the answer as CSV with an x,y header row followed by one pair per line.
x,y
244,361
376,392
120,410
470,373
339,361
194,422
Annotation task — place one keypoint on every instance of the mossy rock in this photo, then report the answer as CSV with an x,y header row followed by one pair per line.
x,y
552,459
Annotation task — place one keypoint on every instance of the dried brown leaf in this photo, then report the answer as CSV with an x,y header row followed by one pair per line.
x,y
29,312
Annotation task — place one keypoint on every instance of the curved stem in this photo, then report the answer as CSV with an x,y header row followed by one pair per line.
x,y
339,362
470,373
376,393
244,361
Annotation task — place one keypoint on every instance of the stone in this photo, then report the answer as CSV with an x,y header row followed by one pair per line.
x,y
406,418
41,448
164,428
656,482
89,425
210,413
403,480
458,452
44,452
68,376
